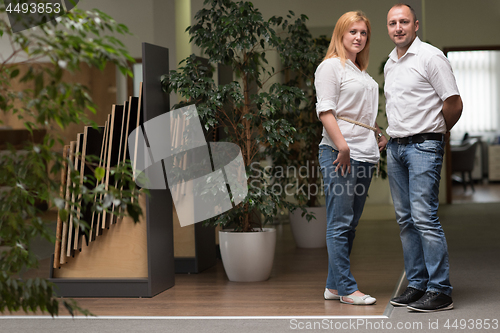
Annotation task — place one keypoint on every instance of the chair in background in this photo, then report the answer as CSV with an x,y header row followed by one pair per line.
x,y
462,160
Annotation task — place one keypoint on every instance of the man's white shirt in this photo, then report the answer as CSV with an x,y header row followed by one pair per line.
x,y
415,87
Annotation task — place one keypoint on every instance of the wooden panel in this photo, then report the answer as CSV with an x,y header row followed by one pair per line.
x,y
132,123
494,163
79,229
97,217
120,252
65,230
93,145
71,226
62,194
184,240
18,138
137,121
102,89
121,151
115,128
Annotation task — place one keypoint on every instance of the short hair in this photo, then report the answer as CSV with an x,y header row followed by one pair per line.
x,y
337,49
411,10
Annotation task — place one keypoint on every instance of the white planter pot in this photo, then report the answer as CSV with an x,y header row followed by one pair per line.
x,y
248,256
309,234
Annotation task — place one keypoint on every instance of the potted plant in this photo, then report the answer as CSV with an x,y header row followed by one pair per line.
x,y
243,111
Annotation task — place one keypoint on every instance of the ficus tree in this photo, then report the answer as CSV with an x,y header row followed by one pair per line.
x,y
236,34
307,53
38,58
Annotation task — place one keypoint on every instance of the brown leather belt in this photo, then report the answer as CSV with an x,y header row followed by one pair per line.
x,y
418,138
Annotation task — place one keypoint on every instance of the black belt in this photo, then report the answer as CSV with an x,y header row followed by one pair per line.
x,y
419,138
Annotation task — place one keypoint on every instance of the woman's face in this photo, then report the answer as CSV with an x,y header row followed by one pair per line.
x,y
354,39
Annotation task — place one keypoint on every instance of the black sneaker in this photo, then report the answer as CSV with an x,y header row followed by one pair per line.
x,y
432,301
408,296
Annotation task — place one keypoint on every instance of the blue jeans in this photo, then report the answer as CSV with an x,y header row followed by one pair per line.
x,y
414,173
345,198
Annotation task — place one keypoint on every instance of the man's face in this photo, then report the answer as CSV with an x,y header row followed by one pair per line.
x,y
401,27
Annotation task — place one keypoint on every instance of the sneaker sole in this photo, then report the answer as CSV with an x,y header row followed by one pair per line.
x,y
449,307
398,304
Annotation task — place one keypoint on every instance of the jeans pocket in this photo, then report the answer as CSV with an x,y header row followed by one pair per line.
x,y
430,146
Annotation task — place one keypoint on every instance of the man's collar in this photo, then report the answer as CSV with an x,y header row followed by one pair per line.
x,y
414,48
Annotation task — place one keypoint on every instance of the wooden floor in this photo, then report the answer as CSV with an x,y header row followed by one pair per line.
x,y
484,192
295,288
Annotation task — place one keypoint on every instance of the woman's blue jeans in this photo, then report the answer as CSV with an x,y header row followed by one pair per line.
x,y
345,198
414,173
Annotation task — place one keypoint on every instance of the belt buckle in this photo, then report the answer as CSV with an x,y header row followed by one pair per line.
x,y
418,138
401,141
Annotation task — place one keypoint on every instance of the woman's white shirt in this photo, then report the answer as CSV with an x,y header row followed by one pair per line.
x,y
349,92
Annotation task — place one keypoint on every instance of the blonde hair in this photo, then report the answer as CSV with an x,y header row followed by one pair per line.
x,y
337,49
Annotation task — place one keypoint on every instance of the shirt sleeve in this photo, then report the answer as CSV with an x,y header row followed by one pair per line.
x,y
440,75
327,82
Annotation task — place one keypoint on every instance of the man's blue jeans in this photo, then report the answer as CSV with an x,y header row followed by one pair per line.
x,y
345,198
414,173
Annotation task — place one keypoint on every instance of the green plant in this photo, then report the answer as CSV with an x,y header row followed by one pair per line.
x,y
48,102
304,152
236,35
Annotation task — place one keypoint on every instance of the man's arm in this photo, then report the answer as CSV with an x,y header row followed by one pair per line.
x,y
452,110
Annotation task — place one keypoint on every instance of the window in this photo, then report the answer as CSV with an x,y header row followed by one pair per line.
x,y
478,80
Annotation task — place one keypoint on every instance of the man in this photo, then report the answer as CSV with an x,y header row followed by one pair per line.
x,y
423,104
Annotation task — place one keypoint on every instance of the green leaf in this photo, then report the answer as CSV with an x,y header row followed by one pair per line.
x,y
14,73
99,173
63,214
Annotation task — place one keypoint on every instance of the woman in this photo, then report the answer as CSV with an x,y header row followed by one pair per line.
x,y
347,106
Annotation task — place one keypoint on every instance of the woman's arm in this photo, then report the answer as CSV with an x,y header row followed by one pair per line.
x,y
333,130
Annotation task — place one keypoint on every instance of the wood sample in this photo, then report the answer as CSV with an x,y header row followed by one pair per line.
x,y
138,121
98,216
119,160
62,192
73,228
112,156
93,138
65,230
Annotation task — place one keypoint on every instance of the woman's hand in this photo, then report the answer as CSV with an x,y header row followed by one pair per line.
x,y
382,143
343,160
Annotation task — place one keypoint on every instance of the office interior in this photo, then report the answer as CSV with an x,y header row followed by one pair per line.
x,y
451,25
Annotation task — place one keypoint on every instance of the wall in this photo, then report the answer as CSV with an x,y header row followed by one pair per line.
x,y
149,21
